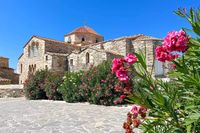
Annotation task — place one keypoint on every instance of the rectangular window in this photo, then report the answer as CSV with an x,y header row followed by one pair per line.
x,y
71,62
21,68
47,58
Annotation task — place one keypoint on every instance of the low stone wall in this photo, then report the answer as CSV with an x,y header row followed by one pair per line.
x,y
11,91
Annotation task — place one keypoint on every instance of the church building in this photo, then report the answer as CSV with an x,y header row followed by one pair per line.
x,y
82,48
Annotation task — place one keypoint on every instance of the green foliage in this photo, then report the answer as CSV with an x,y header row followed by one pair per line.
x,y
52,83
173,106
43,85
97,85
102,85
70,87
34,86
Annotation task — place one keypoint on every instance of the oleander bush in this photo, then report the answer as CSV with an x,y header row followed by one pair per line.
x,y
70,87
34,86
52,82
96,85
43,85
160,106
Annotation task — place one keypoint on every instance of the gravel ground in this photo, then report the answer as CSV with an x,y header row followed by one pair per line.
x,y
18,115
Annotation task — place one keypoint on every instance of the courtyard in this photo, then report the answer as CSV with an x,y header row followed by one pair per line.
x,y
18,115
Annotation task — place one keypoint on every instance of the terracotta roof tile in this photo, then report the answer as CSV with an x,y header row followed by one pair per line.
x,y
84,29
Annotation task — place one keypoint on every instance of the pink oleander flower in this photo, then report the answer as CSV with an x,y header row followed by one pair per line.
x,y
136,122
172,66
135,110
122,74
176,41
116,64
130,59
163,55
122,97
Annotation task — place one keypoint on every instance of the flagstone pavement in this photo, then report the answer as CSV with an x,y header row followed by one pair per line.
x,y
18,115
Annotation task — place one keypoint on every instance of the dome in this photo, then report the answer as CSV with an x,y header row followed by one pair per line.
x,y
84,29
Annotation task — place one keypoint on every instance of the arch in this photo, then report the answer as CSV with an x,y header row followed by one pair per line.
x,y
87,58
83,39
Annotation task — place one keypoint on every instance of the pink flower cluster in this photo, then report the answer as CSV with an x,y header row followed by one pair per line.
x,y
175,41
134,118
119,69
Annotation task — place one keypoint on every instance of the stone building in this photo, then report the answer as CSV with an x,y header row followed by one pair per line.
x,y
7,75
82,48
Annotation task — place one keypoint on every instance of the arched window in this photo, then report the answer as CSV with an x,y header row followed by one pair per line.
x,y
83,39
37,49
29,68
29,51
34,68
32,49
87,58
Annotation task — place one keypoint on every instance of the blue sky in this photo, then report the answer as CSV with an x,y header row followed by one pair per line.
x,y
20,19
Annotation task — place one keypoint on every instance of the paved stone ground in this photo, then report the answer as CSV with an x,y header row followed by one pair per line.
x,y
18,115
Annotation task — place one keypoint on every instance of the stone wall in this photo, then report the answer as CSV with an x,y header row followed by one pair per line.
x,y
59,63
8,73
79,59
88,38
4,62
117,46
148,48
11,91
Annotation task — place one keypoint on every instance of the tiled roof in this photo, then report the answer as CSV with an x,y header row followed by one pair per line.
x,y
56,46
84,29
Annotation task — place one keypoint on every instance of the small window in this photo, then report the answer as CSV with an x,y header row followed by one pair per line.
x,y
71,62
96,40
87,58
69,40
83,39
46,67
21,68
46,57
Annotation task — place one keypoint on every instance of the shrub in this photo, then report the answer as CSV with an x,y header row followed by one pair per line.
x,y
43,85
34,86
98,85
52,83
70,87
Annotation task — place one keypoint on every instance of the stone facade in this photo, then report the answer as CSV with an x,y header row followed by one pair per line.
x,y
7,75
82,48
